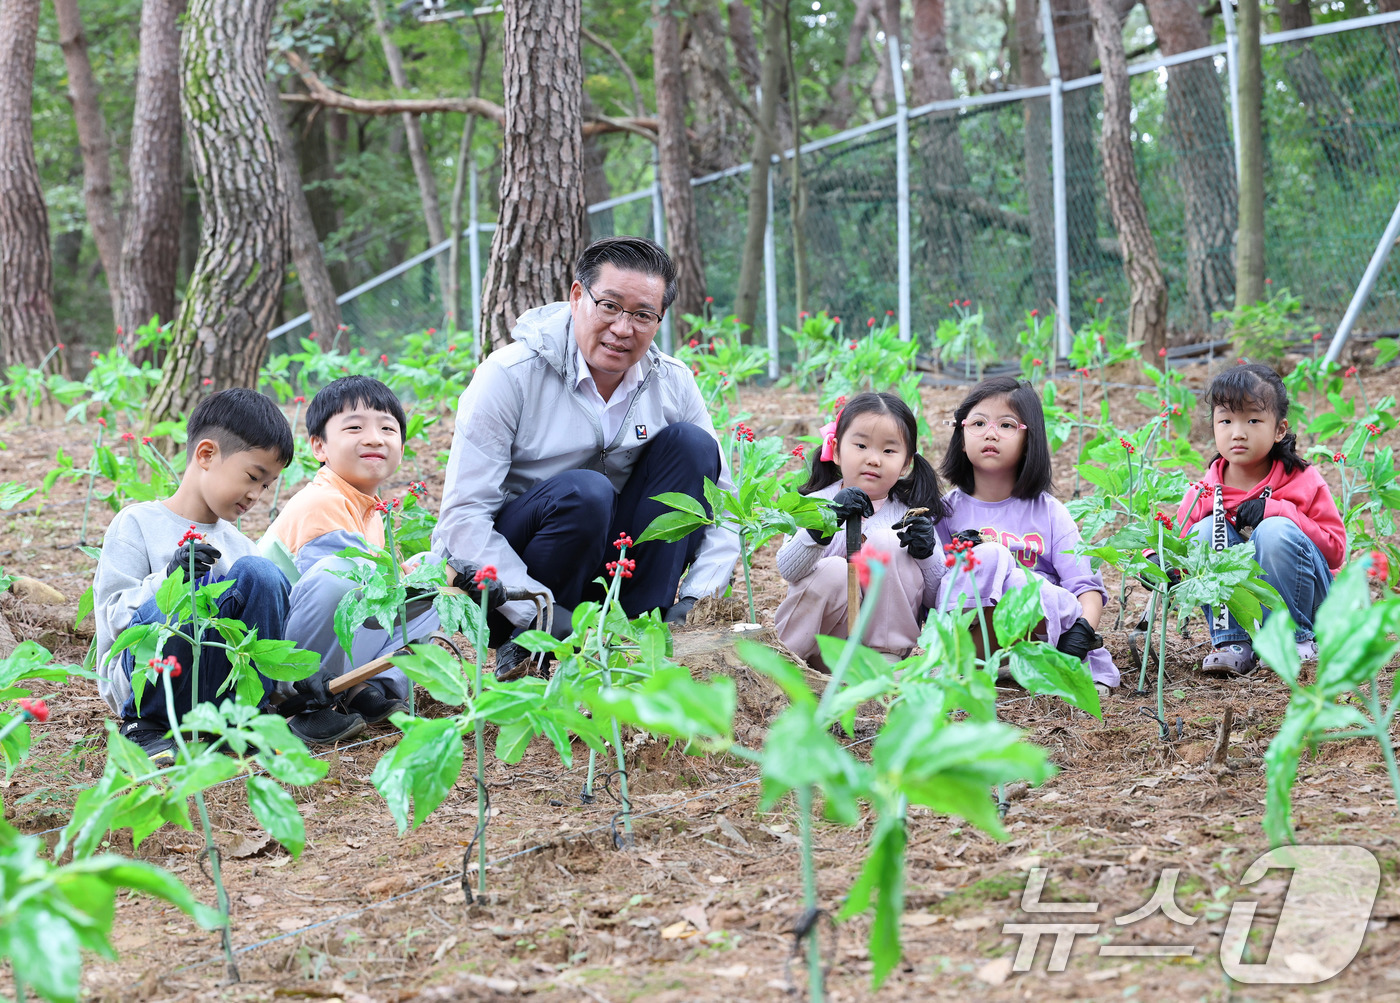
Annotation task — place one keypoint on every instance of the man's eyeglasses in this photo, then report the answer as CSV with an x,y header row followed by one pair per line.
x,y
643,320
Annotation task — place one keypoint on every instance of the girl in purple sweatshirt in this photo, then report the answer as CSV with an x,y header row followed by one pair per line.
x,y
999,463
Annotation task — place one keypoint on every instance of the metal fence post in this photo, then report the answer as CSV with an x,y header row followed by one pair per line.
x,y
906,330
474,257
1232,66
770,283
1363,289
1057,160
658,230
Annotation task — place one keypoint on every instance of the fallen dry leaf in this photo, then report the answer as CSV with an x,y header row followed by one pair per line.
x,y
696,915
678,931
1104,974
251,846
289,923
390,884
920,919
972,923
738,971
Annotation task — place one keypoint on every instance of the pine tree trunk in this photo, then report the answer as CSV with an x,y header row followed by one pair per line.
x,y
1074,43
150,258
1147,290
1040,196
940,143
233,295
751,265
315,279
1197,126
542,228
27,328
96,149
677,197
1249,246
1332,115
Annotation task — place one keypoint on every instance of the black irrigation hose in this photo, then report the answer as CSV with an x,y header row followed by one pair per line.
x,y
485,796
247,948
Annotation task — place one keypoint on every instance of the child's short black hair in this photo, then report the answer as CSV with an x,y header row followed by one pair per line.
x,y
352,392
1240,388
1033,472
919,488
240,419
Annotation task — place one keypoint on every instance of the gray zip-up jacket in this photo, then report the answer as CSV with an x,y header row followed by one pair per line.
x,y
520,421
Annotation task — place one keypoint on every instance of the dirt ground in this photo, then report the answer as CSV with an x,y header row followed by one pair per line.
x,y
701,908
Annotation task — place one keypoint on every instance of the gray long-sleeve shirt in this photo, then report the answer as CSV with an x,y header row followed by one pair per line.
x,y
138,545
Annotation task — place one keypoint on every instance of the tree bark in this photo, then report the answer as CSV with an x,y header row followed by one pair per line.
x,y
940,145
1249,245
1331,114
316,286
233,295
542,226
716,122
751,265
677,197
417,148
1074,42
150,258
96,149
1147,293
843,104
1040,200
1197,125
464,167
27,327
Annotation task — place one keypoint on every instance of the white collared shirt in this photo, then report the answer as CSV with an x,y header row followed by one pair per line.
x,y
611,411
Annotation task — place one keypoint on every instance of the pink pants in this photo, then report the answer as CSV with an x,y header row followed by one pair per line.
x,y
998,573
817,604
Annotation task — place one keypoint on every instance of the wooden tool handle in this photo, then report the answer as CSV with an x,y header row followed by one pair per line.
x,y
852,599
369,670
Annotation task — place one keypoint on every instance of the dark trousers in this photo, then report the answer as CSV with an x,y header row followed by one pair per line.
x,y
564,527
258,598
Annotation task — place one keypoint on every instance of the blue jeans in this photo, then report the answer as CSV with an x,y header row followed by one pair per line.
x,y
564,527
1292,564
258,598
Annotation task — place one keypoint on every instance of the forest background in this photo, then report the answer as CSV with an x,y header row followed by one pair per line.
x,y
558,106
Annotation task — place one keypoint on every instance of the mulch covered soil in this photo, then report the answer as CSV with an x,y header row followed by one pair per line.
x,y
702,906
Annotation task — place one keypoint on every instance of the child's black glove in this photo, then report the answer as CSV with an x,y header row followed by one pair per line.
x,y
1173,574
847,503
1249,514
205,557
971,536
917,537
1080,639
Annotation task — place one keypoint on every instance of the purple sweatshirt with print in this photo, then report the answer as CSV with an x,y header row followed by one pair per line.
x,y
1039,531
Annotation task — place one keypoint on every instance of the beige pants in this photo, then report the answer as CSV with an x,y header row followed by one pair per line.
x,y
817,604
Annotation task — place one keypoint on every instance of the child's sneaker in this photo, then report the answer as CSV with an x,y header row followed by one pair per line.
x,y
1237,660
1307,651
154,740
374,705
325,726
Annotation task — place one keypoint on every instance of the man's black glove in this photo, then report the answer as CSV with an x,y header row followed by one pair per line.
x,y
1249,514
465,579
1173,574
681,610
311,693
1080,639
917,537
972,536
848,502
513,660
205,557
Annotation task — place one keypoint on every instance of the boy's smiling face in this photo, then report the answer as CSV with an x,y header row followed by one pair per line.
x,y
362,445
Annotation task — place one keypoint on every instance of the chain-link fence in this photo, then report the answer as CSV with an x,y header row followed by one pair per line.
x,y
982,214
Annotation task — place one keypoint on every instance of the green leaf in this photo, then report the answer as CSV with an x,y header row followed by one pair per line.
x,y
777,668
672,526
422,768
1041,668
275,809
1281,768
437,671
682,503
1275,646
882,879
15,745
1018,611
800,752
513,739
283,660
283,755
672,703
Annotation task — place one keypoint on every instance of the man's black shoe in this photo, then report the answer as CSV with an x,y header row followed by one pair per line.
x,y
154,740
512,661
325,726
374,705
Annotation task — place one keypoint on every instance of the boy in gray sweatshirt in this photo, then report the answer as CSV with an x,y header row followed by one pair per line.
x,y
238,444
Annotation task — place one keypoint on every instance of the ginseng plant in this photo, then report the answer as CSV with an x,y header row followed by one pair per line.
x,y
192,614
